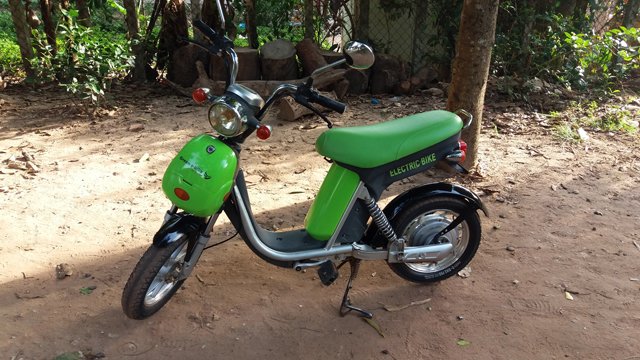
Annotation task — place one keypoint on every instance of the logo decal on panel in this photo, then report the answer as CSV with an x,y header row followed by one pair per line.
x,y
413,165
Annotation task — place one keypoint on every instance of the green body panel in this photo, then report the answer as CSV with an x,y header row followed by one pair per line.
x,y
375,145
331,202
205,168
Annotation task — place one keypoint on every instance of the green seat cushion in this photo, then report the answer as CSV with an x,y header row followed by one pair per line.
x,y
371,146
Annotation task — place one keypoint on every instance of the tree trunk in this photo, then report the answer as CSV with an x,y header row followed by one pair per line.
x,y
252,28
84,16
279,60
630,13
49,25
310,56
361,31
471,67
196,14
23,31
136,44
174,28
308,19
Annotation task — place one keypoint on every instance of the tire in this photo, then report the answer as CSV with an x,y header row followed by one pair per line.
x,y
421,221
150,285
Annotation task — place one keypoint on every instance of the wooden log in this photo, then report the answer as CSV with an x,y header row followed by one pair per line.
x,y
358,81
182,69
420,80
310,56
263,87
341,88
248,65
291,110
279,60
386,74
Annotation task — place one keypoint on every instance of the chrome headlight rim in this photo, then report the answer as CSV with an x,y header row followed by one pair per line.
x,y
218,123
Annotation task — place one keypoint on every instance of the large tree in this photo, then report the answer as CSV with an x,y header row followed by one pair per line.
x,y
471,67
136,42
18,14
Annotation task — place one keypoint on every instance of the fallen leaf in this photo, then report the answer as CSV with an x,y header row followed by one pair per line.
x,y
374,325
87,289
568,296
463,342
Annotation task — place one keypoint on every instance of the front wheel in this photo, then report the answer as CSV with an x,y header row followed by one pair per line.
x,y
419,223
154,279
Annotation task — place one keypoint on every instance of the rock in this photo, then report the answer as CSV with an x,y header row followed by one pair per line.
x,y
136,127
598,213
434,92
63,270
510,248
74,355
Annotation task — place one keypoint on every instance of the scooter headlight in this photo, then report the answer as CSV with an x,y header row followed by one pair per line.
x,y
227,117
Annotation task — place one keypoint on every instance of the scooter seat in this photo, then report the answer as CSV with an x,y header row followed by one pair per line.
x,y
371,146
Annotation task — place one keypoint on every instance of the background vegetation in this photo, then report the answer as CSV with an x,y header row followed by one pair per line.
x,y
540,39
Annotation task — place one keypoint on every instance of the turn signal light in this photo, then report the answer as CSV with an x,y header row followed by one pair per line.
x,y
181,194
263,132
200,95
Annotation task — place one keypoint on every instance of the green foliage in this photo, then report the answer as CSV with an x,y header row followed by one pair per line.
x,y
10,60
86,59
601,59
562,49
280,16
591,115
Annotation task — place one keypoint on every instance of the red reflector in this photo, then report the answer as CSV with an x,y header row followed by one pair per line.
x,y
181,194
463,145
200,95
264,132
463,148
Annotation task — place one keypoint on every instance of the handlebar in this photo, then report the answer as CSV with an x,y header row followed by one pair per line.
x,y
206,30
327,102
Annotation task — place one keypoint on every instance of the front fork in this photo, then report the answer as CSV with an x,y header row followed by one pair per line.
x,y
194,228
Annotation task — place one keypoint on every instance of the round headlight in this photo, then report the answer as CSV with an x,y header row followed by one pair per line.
x,y
226,117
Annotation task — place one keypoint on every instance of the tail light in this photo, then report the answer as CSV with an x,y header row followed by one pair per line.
x,y
460,154
463,148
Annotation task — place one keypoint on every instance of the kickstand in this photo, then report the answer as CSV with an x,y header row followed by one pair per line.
x,y
346,306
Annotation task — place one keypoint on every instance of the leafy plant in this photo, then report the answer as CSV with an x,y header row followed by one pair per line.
x,y
86,60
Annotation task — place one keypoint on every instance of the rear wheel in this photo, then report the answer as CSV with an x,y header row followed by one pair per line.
x,y
419,223
154,280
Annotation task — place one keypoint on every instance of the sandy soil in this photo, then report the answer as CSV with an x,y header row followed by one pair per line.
x,y
564,219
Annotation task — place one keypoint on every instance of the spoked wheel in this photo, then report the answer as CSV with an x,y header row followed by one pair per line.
x,y
421,222
154,279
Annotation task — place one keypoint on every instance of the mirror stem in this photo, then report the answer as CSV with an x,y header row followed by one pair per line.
x,y
221,15
327,67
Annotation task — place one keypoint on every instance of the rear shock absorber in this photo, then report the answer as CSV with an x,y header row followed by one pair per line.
x,y
380,220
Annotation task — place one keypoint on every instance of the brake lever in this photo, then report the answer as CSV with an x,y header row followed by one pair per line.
x,y
303,101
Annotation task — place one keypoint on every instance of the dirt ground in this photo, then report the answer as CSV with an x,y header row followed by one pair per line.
x,y
564,219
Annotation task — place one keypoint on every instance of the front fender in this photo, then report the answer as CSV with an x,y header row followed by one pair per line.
x,y
179,224
423,192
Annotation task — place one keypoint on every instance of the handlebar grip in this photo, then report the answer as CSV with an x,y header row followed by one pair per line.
x,y
205,29
328,103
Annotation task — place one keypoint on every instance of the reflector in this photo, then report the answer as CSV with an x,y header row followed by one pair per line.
x,y
181,193
200,95
263,132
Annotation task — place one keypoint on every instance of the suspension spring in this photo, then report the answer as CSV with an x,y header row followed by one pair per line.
x,y
380,220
